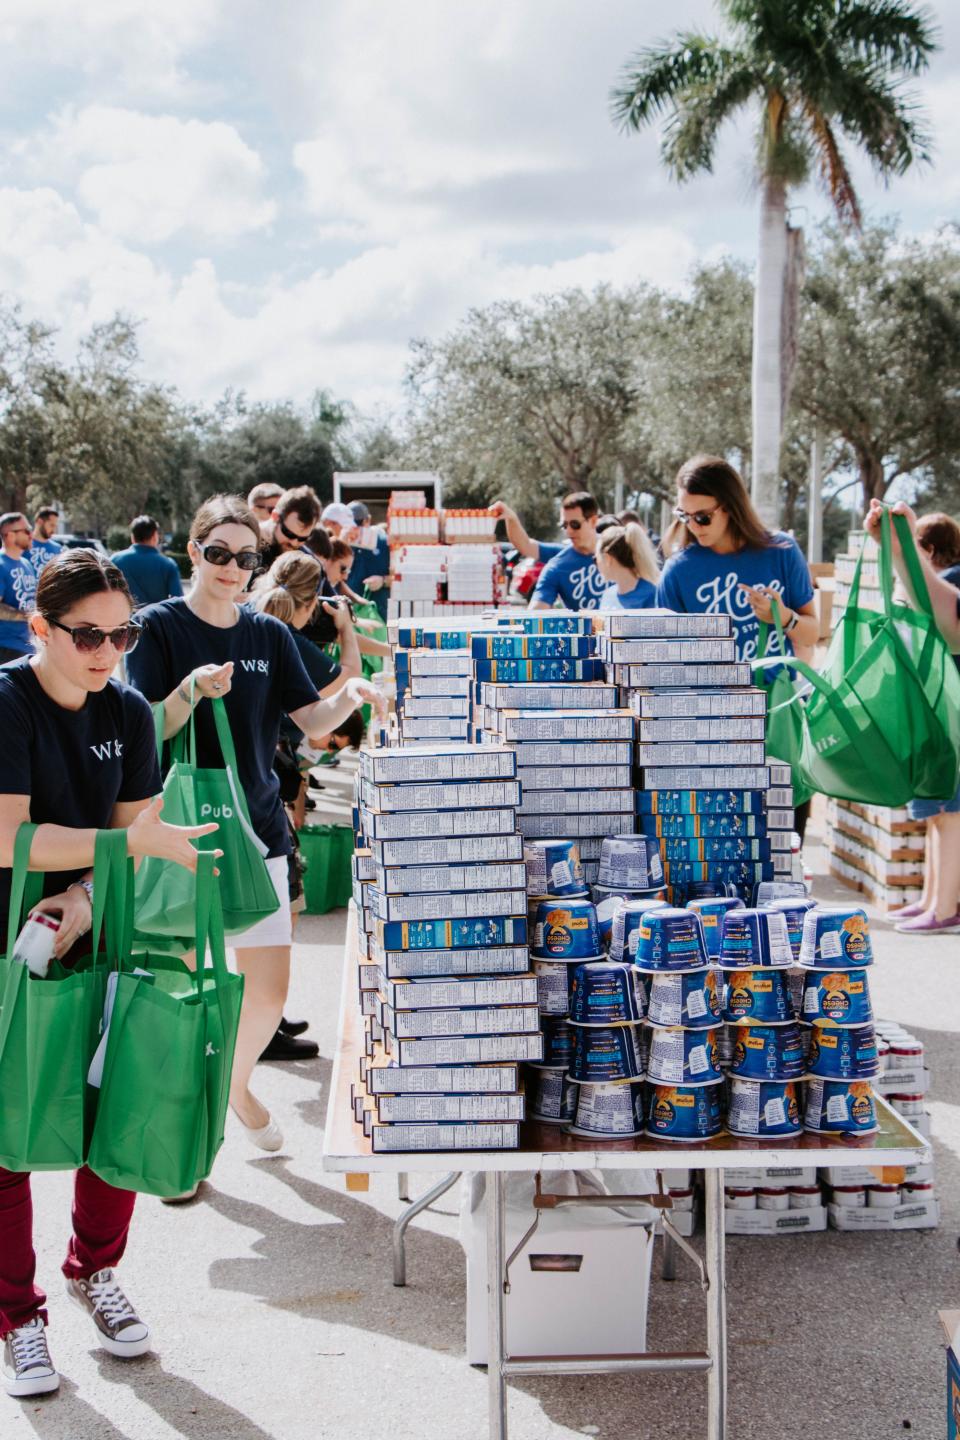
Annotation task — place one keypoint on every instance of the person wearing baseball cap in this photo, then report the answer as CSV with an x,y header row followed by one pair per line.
x,y
371,559
337,519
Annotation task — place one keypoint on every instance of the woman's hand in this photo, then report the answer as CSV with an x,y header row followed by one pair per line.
x,y
340,614
374,582
211,680
149,835
361,692
74,912
872,521
761,603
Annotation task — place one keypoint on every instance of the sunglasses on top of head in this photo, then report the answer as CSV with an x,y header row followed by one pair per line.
x,y
700,518
88,638
220,555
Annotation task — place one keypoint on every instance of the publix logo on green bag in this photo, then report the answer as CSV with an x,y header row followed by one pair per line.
x,y
216,812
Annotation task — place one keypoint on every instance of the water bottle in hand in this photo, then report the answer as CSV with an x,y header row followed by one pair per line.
x,y
33,947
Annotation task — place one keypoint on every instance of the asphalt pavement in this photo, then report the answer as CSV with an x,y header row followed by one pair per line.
x,y
275,1318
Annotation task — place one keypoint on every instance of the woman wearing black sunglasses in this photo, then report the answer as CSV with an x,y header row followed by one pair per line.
x,y
250,660
79,754
724,560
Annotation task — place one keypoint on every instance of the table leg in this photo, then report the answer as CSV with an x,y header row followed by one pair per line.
x,y
496,1343
403,1185
668,1267
400,1227
716,1307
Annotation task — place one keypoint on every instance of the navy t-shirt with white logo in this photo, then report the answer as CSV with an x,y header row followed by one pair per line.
x,y
269,681
74,764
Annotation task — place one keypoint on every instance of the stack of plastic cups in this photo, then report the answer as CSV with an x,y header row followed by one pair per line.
x,y
766,1050
607,1006
685,1082
554,879
794,909
835,953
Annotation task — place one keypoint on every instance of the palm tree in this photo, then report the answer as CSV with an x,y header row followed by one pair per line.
x,y
817,69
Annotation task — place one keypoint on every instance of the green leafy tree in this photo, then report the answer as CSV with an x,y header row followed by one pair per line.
x,y
30,378
814,72
879,356
531,400
242,445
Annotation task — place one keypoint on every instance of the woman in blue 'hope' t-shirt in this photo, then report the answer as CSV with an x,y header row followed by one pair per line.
x,y
725,561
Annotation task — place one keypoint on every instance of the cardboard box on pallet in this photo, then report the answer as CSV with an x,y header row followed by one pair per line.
x,y
725,777
915,1215
775,1222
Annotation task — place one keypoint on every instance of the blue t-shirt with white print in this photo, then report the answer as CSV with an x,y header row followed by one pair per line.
x,y
571,578
642,597
696,580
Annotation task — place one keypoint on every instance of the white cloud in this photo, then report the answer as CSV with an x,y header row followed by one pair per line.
x,y
146,177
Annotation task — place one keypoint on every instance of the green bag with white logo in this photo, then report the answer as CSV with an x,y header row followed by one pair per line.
x,y
163,1071
195,795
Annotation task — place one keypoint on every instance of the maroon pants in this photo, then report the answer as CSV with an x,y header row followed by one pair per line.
x,y
101,1222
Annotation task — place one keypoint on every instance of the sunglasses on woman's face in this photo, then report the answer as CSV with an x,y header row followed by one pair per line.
x,y
700,518
220,555
88,638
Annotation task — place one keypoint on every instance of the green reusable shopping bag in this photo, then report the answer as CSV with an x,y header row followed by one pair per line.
x,y
166,1067
372,664
166,892
49,1027
882,724
784,729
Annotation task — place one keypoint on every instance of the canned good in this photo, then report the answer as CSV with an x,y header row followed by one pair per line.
x,y
566,931
757,995
683,1057
684,1112
883,1197
740,1199
669,939
754,939
767,1052
614,1111
836,939
763,1109
602,1056
849,1197
691,999
773,1199
606,993
837,997
909,1106
804,1197
840,1107
843,1053
631,860
553,868
553,1095
905,1055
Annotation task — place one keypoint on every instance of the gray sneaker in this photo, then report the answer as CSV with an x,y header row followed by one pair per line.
x,y
27,1367
119,1328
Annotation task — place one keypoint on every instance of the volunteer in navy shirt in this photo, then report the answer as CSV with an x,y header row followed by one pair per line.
x,y
150,575
78,755
628,562
44,547
251,661
18,586
724,561
371,559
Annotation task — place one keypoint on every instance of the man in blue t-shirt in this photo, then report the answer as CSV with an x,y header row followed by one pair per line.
x,y
151,576
371,559
570,572
44,547
18,586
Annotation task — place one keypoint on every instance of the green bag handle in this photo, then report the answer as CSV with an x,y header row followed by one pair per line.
x,y
853,600
209,926
823,687
908,547
224,736
27,888
764,632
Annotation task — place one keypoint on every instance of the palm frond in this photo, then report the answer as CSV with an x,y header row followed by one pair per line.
x,y
690,135
887,32
875,112
656,77
834,174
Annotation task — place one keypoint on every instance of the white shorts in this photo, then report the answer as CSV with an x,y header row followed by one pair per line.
x,y
277,928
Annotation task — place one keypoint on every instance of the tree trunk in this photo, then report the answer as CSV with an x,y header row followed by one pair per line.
x,y
873,482
767,377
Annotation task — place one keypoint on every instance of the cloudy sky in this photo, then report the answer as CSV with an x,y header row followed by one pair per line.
x,y
284,195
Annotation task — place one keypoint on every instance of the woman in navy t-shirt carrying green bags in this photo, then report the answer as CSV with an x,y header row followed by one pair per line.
x,y
250,660
78,755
